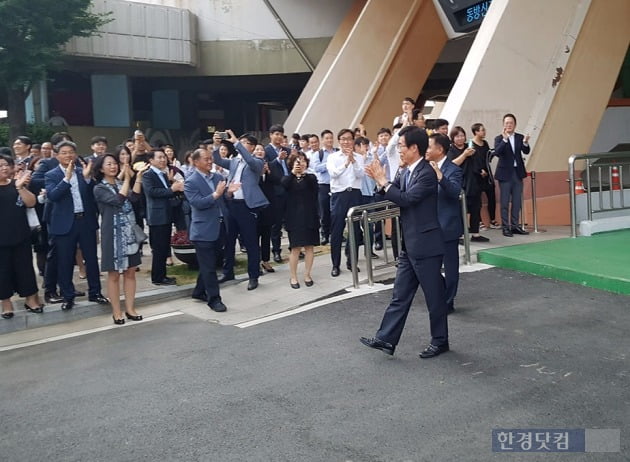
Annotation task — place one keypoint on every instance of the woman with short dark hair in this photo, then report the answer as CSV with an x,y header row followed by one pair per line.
x,y
301,216
120,250
16,258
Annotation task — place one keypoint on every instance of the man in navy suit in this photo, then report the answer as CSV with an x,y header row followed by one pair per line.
x,y
420,260
243,203
71,221
204,191
508,147
276,155
449,178
159,191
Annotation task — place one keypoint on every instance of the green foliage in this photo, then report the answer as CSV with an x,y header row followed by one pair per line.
x,y
38,133
33,32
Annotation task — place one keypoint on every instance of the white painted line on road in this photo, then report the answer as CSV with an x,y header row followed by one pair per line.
x,y
87,332
351,294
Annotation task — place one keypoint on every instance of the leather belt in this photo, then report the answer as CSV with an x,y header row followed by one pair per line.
x,y
79,215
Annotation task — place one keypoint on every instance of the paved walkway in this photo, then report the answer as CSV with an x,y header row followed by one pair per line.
x,y
272,296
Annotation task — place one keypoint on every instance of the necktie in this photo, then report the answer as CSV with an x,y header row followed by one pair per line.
x,y
284,167
321,155
164,180
406,179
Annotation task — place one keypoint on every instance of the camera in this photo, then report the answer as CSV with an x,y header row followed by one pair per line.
x,y
223,135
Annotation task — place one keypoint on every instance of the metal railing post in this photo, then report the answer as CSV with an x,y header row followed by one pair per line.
x,y
367,244
572,195
352,240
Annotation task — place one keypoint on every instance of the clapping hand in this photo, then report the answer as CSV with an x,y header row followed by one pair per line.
x,y
437,170
376,171
221,187
526,139
22,178
69,170
233,187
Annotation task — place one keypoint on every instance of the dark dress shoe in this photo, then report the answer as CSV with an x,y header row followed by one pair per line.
x,y
79,293
132,317
373,255
7,314
253,283
166,282
225,278
335,271
51,299
518,230
378,344
267,267
507,233
294,285
324,241
432,351
217,306
38,309
309,283
98,298
67,305
118,321
378,246
202,297
349,266
479,239
276,257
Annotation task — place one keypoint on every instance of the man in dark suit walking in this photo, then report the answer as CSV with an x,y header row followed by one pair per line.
x,y
71,221
508,147
276,156
449,178
159,192
423,246
204,191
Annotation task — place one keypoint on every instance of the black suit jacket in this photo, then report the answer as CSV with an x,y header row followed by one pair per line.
x,y
503,150
159,210
422,235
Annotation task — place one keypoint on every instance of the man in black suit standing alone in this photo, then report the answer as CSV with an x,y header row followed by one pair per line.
x,y
415,191
508,147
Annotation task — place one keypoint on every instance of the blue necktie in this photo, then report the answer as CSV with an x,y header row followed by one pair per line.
x,y
284,167
406,179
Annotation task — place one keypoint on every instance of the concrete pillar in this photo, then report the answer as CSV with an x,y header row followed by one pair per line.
x,y
387,55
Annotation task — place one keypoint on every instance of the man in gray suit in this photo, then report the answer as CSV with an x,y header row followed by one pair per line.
x,y
243,204
204,191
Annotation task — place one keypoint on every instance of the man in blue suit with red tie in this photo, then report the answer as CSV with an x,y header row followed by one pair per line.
x,y
72,220
204,191
508,147
449,178
419,263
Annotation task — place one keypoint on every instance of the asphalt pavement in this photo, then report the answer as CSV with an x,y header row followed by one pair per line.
x,y
526,352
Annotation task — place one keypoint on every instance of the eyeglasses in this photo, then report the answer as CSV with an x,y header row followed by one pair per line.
x,y
346,139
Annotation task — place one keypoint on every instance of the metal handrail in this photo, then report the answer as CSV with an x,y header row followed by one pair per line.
x,y
617,159
381,211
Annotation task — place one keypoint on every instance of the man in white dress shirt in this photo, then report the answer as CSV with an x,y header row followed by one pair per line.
x,y
346,174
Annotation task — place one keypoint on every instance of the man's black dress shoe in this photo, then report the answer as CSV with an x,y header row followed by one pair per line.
x,y
166,282
276,257
202,297
335,271
378,344
225,278
79,293
132,317
51,299
67,305
349,266
98,298
507,233
253,283
38,309
518,230
217,306
431,351
378,246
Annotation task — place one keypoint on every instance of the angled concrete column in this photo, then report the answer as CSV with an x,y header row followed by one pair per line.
x,y
387,55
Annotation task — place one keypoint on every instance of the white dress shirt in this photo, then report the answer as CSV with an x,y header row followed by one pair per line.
x,y
342,177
